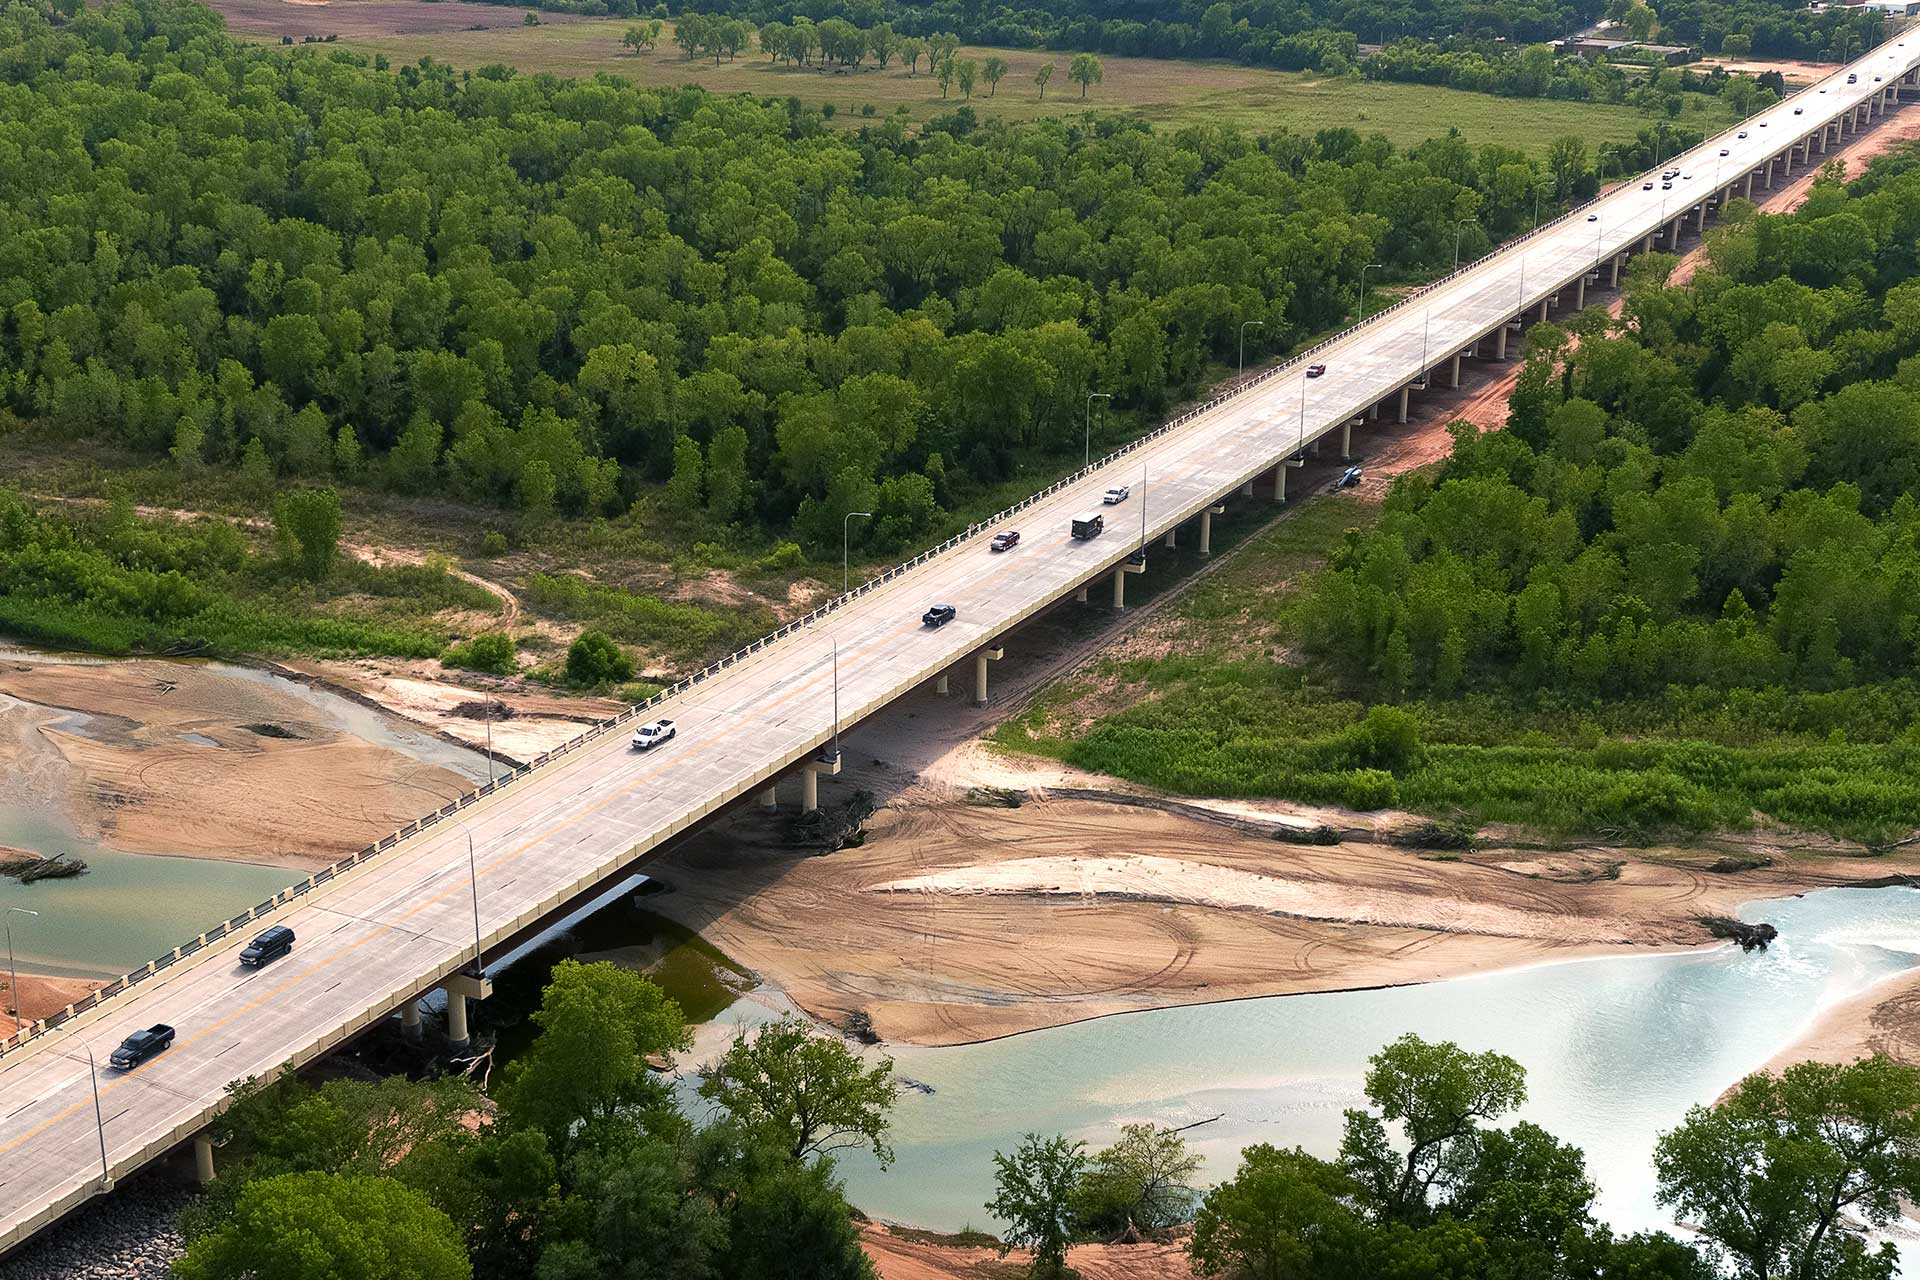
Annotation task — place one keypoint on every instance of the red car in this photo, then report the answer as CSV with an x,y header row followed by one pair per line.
x,y
1004,541
1315,370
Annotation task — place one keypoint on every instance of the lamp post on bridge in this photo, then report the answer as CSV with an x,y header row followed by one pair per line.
x,y
1086,444
13,973
99,1121
846,524
1261,324
473,879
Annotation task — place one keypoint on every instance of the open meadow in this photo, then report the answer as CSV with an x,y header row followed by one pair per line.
x,y
1176,93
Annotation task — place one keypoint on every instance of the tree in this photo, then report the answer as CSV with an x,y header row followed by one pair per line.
x,y
598,1025
727,473
912,49
1040,78
993,72
635,39
882,43
1144,1182
1567,161
965,72
1789,1172
309,520
790,1221
1084,70
1033,1194
943,71
1283,1216
1438,1094
324,1226
804,1093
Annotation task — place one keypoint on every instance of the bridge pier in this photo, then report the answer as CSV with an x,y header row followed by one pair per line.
x,y
1346,436
1170,539
410,1019
1500,342
1080,596
1544,303
1404,392
202,1158
1768,180
810,781
770,798
1246,490
980,661
1613,271
1453,380
1206,527
1280,481
940,684
460,988
1120,572
1747,192
1700,223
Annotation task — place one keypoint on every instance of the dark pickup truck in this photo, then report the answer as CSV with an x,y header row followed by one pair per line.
x,y
140,1046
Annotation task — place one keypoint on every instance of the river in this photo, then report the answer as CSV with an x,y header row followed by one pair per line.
x,y
130,907
1615,1049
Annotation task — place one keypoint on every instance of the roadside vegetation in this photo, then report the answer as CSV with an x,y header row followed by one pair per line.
x,y
1666,599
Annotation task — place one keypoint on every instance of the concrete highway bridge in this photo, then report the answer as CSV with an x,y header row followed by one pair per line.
x,y
422,909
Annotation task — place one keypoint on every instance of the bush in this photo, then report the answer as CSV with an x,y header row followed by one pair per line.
x,y
1368,789
1389,738
494,651
493,543
593,659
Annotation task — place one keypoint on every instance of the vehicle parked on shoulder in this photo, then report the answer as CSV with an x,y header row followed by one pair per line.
x,y
649,736
1005,541
268,947
1116,495
1088,525
140,1046
939,616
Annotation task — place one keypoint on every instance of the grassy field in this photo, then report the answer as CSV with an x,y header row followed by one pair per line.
x,y
1171,92
1210,699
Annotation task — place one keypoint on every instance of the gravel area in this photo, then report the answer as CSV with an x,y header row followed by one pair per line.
x,y
128,1235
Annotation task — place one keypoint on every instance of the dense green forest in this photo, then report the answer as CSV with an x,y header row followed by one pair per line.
x,y
1677,591
557,295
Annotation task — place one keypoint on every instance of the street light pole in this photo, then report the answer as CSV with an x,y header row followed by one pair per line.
x,y
12,972
835,641
1245,324
99,1121
1086,448
473,878
846,524
1371,266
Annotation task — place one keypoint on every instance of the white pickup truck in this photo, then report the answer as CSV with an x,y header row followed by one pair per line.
x,y
649,736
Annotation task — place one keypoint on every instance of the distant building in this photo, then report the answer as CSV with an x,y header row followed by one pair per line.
x,y
1671,54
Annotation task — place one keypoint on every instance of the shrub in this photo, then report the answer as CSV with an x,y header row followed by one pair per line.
x,y
1370,789
593,659
493,543
1389,738
493,651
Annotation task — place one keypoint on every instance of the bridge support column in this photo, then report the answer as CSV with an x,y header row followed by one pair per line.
x,y
810,779
1747,193
1346,439
1646,245
1206,527
1120,572
202,1158
1580,292
1500,342
940,684
1373,411
1544,304
1823,139
1786,164
980,661
1768,180
1170,539
770,798
1700,225
1613,272
460,988
1404,392
1246,490
1080,596
1280,482
410,1019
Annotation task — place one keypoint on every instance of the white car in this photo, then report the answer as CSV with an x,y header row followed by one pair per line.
x,y
649,736
1116,495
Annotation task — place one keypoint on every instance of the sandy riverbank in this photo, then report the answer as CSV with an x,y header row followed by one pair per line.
x,y
180,758
41,994
958,921
912,1255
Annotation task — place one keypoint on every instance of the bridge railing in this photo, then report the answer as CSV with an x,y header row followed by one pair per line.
x,y
253,915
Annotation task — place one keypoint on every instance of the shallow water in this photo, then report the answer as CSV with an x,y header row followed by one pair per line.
x,y
131,907
1616,1050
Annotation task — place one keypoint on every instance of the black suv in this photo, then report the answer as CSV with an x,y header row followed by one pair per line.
x,y
268,947
940,615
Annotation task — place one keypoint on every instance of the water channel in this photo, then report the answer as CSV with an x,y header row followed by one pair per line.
x,y
130,907
1616,1050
